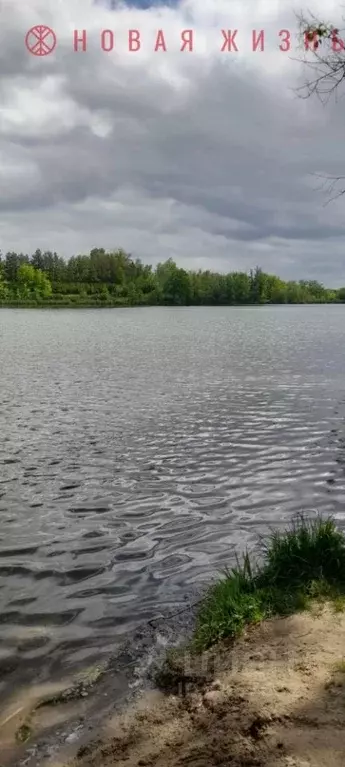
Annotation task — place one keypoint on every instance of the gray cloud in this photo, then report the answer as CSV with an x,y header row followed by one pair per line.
x,y
202,157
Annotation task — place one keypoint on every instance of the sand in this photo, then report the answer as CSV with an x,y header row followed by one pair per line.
x,y
277,697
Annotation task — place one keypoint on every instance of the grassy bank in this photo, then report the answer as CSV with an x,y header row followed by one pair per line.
x,y
300,566
68,303
272,698
73,302
304,563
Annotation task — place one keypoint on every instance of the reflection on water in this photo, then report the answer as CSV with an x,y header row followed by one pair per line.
x,y
139,448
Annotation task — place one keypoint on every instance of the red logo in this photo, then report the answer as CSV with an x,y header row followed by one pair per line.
x,y
40,40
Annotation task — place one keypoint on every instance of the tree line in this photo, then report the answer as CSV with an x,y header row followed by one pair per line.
x,y
114,278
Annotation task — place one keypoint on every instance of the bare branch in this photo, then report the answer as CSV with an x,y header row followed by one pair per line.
x,y
323,55
332,183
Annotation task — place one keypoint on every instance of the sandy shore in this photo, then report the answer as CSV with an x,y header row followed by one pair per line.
x,y
278,698
275,698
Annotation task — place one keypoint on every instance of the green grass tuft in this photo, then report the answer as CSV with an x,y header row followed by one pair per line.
x,y
303,564
340,666
339,603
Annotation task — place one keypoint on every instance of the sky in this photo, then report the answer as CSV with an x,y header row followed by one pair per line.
x,y
207,157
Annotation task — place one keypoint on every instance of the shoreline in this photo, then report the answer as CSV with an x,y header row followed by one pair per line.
x,y
108,305
274,698
61,715
280,704
238,661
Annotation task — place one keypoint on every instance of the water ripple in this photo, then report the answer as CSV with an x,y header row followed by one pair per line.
x,y
141,449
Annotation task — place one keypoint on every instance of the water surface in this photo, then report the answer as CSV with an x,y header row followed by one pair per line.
x,y
140,448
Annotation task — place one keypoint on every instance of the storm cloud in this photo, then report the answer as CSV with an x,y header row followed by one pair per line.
x,y
206,156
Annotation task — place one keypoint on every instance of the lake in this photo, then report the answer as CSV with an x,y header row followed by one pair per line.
x,y
140,449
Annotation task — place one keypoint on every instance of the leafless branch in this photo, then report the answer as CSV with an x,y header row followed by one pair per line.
x,y
329,186
324,55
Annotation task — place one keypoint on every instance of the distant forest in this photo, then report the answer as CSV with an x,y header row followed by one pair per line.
x,y
114,278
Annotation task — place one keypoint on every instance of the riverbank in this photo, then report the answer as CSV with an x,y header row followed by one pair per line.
x,y
89,304
253,688
39,722
68,304
277,699
261,681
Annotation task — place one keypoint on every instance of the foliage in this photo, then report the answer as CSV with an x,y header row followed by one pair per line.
x,y
32,282
304,563
116,279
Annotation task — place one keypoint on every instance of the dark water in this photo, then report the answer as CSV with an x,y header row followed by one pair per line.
x,y
139,448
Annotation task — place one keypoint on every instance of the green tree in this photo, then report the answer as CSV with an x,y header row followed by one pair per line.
x,y
37,260
117,277
11,265
175,283
33,282
241,283
258,286
3,285
275,289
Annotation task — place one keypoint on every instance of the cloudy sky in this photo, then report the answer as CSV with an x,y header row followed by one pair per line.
x,y
204,156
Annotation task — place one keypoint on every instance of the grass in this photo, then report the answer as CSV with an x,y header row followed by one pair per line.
x,y
303,564
339,666
23,734
337,677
